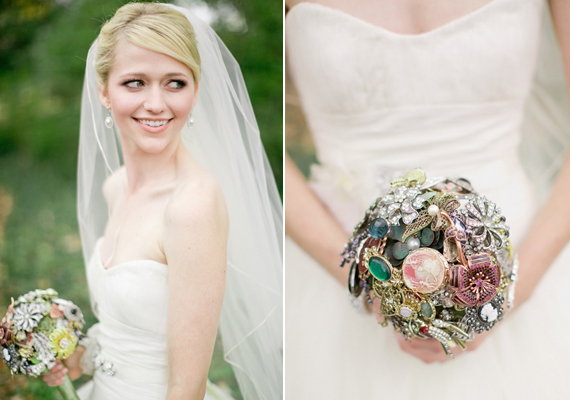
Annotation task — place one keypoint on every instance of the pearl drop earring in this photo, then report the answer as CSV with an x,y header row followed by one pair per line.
x,y
190,122
109,119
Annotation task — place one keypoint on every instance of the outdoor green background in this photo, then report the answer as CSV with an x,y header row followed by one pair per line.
x,y
43,46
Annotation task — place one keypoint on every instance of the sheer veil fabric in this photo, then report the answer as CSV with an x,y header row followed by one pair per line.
x,y
545,130
225,139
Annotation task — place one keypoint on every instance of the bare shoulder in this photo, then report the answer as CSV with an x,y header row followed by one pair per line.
x,y
329,3
291,3
198,202
115,185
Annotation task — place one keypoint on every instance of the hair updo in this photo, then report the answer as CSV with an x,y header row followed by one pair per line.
x,y
151,26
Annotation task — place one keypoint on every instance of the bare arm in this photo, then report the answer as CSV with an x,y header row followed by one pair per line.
x,y
195,243
548,235
550,231
309,223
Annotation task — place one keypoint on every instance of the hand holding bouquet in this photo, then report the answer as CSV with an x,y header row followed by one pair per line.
x,y
38,329
434,259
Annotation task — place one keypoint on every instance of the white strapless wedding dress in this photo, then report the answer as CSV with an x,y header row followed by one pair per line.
x,y
451,101
131,302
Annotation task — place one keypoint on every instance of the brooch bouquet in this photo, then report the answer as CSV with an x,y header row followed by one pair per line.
x,y
433,258
38,329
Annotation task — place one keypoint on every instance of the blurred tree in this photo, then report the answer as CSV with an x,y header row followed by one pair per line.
x,y
19,21
257,45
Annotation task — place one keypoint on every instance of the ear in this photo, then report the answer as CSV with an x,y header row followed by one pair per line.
x,y
104,97
195,95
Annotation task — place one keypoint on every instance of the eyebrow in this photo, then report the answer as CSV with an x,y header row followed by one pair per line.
x,y
142,75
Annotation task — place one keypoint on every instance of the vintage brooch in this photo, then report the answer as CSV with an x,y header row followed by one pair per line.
x,y
434,258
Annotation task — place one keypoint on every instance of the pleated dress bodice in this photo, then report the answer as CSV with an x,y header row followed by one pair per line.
x,y
130,300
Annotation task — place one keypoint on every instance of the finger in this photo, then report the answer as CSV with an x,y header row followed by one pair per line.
x,y
53,378
58,370
433,346
60,382
56,381
429,345
429,351
50,376
377,303
52,381
57,367
427,357
56,375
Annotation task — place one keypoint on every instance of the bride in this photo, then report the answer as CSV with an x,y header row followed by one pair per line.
x,y
193,201
454,88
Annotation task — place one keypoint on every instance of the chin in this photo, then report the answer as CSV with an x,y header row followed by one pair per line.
x,y
153,145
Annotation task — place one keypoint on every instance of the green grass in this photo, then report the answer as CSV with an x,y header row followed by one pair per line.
x,y
41,249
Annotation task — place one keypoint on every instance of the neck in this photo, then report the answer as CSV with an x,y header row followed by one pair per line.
x,y
147,169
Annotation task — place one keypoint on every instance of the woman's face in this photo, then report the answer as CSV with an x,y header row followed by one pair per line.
x,y
150,95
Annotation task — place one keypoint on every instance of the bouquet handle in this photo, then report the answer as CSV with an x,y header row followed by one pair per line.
x,y
67,390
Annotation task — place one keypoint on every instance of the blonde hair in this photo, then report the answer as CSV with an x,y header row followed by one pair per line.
x,y
151,26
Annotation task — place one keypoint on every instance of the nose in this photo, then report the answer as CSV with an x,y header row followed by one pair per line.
x,y
154,101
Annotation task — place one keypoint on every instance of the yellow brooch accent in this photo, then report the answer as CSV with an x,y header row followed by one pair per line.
x,y
415,177
25,352
63,342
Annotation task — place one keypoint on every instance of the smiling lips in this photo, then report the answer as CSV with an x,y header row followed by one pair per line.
x,y
153,125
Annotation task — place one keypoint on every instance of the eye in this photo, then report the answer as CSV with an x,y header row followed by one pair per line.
x,y
133,83
177,84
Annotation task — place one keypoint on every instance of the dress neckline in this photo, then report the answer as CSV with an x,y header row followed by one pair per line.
x,y
99,260
388,32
